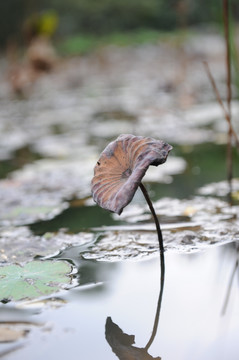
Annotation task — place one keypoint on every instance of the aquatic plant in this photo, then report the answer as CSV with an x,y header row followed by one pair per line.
x,y
118,174
120,169
231,134
33,280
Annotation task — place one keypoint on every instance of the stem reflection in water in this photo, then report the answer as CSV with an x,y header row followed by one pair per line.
x,y
122,344
156,320
228,292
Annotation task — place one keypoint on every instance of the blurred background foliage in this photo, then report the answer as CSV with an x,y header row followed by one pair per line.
x,y
102,17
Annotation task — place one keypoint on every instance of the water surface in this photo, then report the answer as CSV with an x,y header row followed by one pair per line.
x,y
191,324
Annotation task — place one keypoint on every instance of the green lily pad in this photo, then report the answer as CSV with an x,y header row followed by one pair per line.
x,y
35,279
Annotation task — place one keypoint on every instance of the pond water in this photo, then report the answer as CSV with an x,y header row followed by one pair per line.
x,y
106,304
196,320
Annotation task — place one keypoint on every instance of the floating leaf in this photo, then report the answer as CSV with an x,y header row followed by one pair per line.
x,y
25,246
219,188
39,190
35,279
121,167
188,225
9,334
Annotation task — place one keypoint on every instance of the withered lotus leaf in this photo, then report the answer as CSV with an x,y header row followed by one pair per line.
x,y
121,167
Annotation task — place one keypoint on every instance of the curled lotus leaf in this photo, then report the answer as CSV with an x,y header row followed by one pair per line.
x,y
121,167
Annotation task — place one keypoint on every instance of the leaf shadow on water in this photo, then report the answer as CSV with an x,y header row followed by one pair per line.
x,y
121,343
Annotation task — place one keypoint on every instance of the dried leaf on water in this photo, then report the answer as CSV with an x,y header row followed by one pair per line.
x,y
25,246
220,188
41,190
188,226
9,334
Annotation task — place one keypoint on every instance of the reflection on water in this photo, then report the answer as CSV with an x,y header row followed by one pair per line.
x,y
121,343
232,278
191,325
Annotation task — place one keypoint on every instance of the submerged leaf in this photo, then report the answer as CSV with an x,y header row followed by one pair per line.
x,y
35,279
8,334
121,167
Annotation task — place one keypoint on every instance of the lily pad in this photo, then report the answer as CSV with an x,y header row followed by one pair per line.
x,y
35,279
187,226
25,246
21,203
41,190
8,334
220,189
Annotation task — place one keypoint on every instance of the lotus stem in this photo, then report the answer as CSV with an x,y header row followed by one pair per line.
x,y
149,202
162,265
